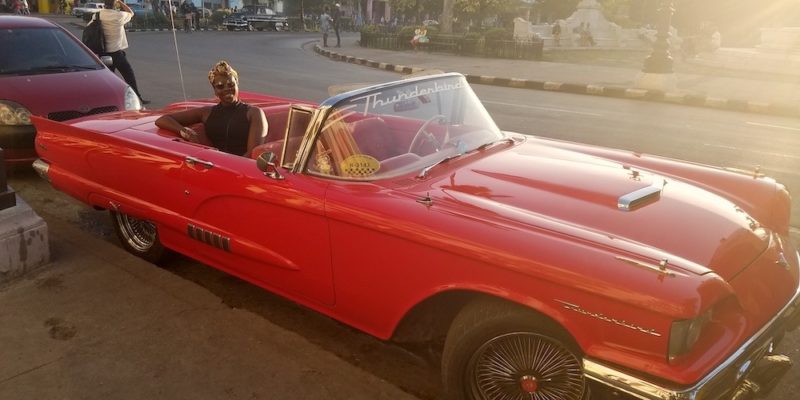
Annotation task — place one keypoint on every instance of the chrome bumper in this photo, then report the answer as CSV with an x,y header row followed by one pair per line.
x,y
739,377
42,168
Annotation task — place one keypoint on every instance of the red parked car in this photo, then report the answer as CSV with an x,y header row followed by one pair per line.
x,y
401,209
46,71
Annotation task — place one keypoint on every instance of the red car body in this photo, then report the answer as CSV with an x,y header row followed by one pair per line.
x,y
649,277
46,71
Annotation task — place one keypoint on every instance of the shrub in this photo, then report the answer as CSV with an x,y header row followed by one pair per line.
x,y
408,30
498,34
371,28
218,15
472,36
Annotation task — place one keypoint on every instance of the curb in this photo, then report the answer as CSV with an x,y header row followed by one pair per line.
x,y
173,29
784,110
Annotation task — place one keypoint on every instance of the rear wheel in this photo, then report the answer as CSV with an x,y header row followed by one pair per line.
x,y
495,350
139,237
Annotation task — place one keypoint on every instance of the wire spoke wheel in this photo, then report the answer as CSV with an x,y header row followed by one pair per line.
x,y
525,366
139,234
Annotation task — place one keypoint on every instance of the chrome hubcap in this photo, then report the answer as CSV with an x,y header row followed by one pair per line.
x,y
525,366
138,233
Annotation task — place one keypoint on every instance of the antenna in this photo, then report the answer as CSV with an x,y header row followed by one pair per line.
x,y
177,52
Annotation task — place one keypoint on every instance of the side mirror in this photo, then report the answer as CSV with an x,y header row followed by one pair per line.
x,y
266,163
107,60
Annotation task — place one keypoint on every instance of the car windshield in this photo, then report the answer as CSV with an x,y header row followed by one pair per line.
x,y
400,128
29,51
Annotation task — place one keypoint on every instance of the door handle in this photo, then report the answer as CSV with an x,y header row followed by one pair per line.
x,y
194,160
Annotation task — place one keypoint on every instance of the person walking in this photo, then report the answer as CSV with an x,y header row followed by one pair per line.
x,y
325,25
113,22
337,17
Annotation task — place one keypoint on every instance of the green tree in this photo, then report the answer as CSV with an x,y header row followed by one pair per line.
x,y
416,8
447,16
478,10
551,10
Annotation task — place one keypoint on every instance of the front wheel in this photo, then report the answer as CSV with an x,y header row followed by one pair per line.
x,y
496,350
139,237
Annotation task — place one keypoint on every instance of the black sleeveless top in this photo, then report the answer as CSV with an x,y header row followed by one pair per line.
x,y
227,127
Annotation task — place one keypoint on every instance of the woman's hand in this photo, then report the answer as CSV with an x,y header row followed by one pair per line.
x,y
189,134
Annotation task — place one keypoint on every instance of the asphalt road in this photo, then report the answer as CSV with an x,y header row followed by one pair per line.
x,y
172,67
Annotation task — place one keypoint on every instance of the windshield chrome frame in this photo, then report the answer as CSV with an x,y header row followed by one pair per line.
x,y
332,103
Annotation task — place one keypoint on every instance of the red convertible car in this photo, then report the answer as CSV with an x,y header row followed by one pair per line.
x,y
552,269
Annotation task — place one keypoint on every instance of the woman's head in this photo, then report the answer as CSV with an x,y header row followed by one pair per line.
x,y
225,81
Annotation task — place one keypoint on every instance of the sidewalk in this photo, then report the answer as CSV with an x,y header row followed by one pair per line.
x,y
778,95
98,323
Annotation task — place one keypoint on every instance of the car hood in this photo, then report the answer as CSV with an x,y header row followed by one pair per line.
x,y
82,90
581,191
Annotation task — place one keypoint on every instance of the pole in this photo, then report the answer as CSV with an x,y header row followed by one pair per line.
x,y
660,60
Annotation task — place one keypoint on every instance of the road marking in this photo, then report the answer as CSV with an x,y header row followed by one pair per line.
x,y
543,108
773,126
768,153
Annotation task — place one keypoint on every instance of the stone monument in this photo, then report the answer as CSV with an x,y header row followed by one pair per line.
x,y
589,13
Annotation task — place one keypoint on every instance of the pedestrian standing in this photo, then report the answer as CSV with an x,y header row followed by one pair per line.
x,y
337,17
557,33
113,22
325,25
188,15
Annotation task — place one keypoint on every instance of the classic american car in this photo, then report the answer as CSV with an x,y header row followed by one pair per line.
x,y
258,17
552,269
87,8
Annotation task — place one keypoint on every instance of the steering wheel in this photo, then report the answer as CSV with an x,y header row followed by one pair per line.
x,y
423,135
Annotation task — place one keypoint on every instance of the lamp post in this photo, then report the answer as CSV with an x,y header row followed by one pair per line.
x,y
657,72
660,61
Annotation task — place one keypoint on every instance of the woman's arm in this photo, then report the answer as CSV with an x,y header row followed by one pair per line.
x,y
258,128
179,122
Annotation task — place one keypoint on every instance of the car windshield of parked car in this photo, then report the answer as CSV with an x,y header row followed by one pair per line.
x,y
403,127
27,51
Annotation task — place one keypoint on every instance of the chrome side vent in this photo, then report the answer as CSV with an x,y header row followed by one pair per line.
x,y
208,237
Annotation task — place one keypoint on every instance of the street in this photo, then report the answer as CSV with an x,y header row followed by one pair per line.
x,y
283,64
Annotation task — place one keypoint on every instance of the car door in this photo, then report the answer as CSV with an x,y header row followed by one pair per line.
x,y
136,173
271,231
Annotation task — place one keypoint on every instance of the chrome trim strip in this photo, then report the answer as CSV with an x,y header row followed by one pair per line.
x,y
660,269
42,168
643,389
633,199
